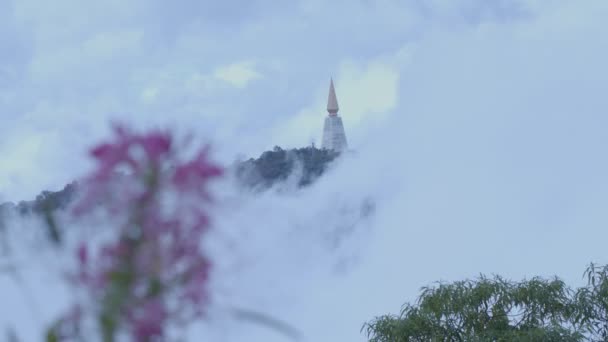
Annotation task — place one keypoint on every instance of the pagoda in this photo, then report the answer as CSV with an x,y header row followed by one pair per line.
x,y
334,137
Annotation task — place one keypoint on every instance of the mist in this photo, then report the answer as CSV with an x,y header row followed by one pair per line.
x,y
478,138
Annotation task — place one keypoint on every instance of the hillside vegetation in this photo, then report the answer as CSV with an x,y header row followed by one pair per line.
x,y
301,166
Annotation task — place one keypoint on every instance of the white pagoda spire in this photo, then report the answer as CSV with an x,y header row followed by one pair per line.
x,y
332,101
334,137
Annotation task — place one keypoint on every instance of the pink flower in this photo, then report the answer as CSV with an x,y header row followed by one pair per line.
x,y
194,173
156,145
156,252
130,157
147,321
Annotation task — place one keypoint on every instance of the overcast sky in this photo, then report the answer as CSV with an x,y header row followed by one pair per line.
x,y
249,75
480,129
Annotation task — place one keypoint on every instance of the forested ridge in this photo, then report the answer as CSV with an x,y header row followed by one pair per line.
x,y
303,165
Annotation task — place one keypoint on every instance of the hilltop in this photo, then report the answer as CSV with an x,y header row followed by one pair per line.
x,y
302,166
305,165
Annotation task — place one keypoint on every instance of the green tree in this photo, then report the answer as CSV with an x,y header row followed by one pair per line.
x,y
494,309
591,309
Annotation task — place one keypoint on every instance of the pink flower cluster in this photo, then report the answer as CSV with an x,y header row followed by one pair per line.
x,y
152,271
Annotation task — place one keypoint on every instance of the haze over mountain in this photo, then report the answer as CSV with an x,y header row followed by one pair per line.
x,y
479,126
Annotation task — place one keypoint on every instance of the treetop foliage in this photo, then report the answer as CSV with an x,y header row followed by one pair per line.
x,y
495,309
275,166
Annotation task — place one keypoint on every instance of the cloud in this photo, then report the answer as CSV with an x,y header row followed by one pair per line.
x,y
237,74
367,92
370,91
17,154
76,63
16,161
479,127
141,60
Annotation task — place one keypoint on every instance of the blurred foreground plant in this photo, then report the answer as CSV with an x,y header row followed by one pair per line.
x,y
149,273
